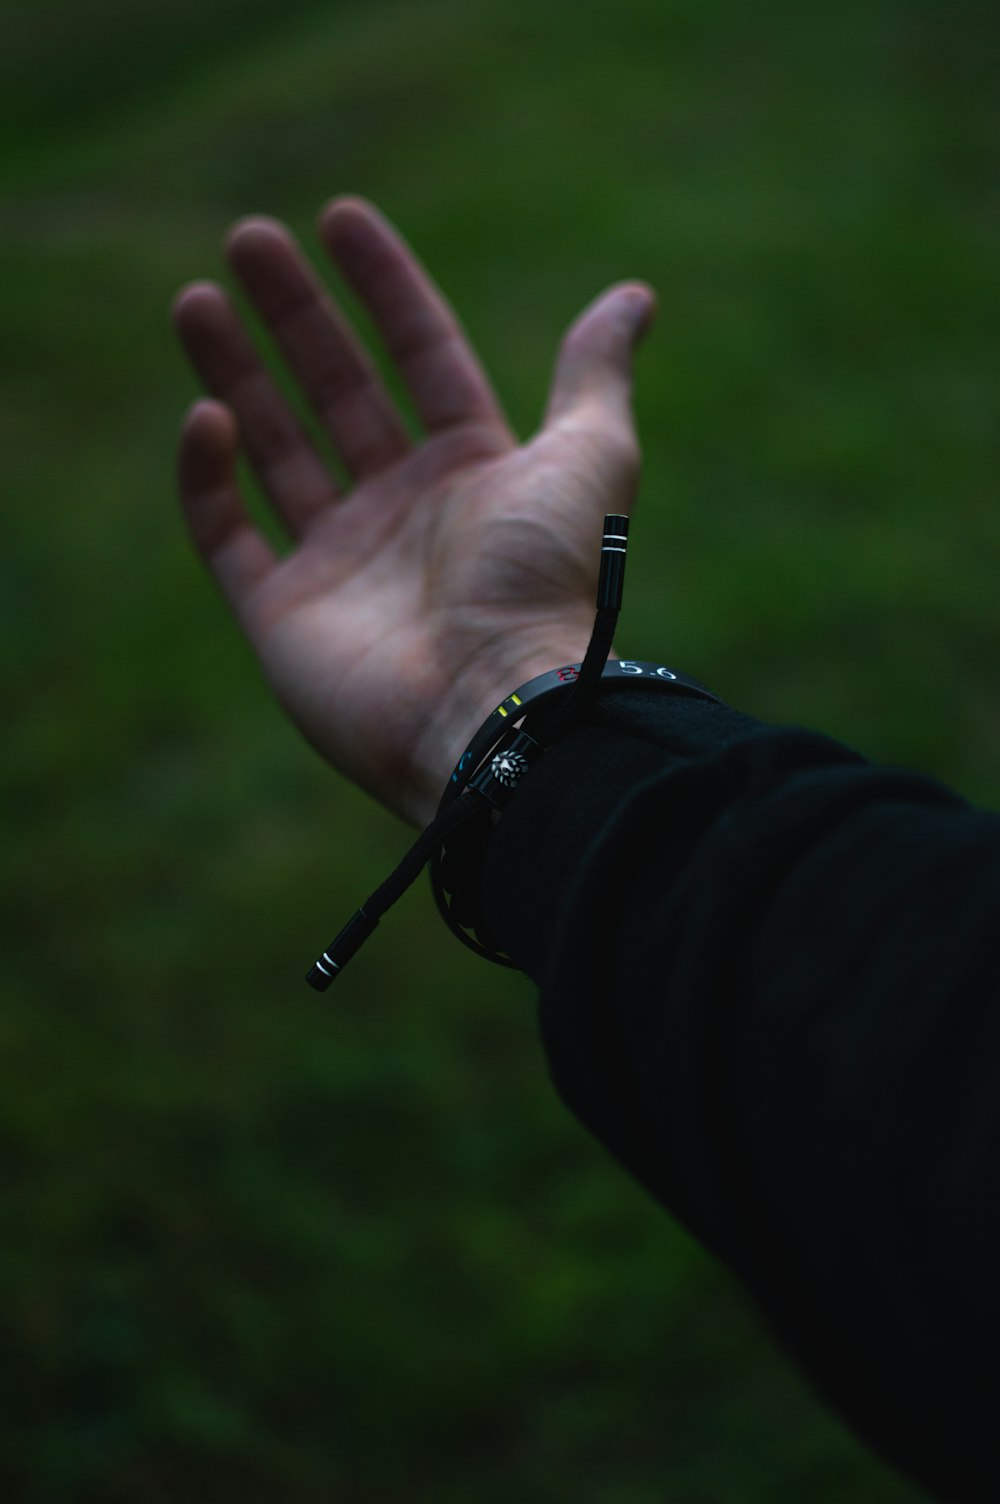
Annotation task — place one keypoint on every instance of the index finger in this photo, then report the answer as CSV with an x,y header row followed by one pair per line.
x,y
419,328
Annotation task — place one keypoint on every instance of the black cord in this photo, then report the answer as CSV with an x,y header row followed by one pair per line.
x,y
487,790
610,588
362,924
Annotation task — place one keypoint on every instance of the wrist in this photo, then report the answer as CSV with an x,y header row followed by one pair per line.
x,y
469,701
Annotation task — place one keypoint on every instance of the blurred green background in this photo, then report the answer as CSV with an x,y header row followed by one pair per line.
x,y
261,1245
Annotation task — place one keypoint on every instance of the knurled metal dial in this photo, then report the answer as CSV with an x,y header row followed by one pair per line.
x,y
508,767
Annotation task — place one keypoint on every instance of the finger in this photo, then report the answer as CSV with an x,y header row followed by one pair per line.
x,y
287,464
236,553
593,374
326,355
420,330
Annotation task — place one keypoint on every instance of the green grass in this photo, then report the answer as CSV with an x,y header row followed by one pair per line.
x,y
256,1245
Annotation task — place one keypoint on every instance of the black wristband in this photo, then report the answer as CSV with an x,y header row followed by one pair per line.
x,y
541,691
491,763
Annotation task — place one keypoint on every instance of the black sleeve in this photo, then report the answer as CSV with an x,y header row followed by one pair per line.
x,y
768,977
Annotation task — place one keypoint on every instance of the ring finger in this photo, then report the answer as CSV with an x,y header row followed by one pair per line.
x,y
297,481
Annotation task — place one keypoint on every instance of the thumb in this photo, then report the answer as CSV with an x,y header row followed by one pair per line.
x,y
594,368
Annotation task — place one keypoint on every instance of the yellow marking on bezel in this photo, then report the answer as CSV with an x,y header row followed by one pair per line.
x,y
516,699
502,711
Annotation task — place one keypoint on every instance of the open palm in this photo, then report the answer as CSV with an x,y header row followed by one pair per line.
x,y
452,568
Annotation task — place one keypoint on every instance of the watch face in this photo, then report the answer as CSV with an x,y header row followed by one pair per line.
x,y
507,768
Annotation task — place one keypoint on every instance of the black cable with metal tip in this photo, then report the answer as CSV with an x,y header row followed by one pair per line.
x,y
610,589
492,784
363,923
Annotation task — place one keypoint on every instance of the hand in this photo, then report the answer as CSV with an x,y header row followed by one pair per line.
x,y
455,567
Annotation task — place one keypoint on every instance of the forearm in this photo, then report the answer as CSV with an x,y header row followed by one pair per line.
x,y
762,964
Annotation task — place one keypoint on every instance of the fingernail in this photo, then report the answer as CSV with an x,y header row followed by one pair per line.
x,y
638,312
